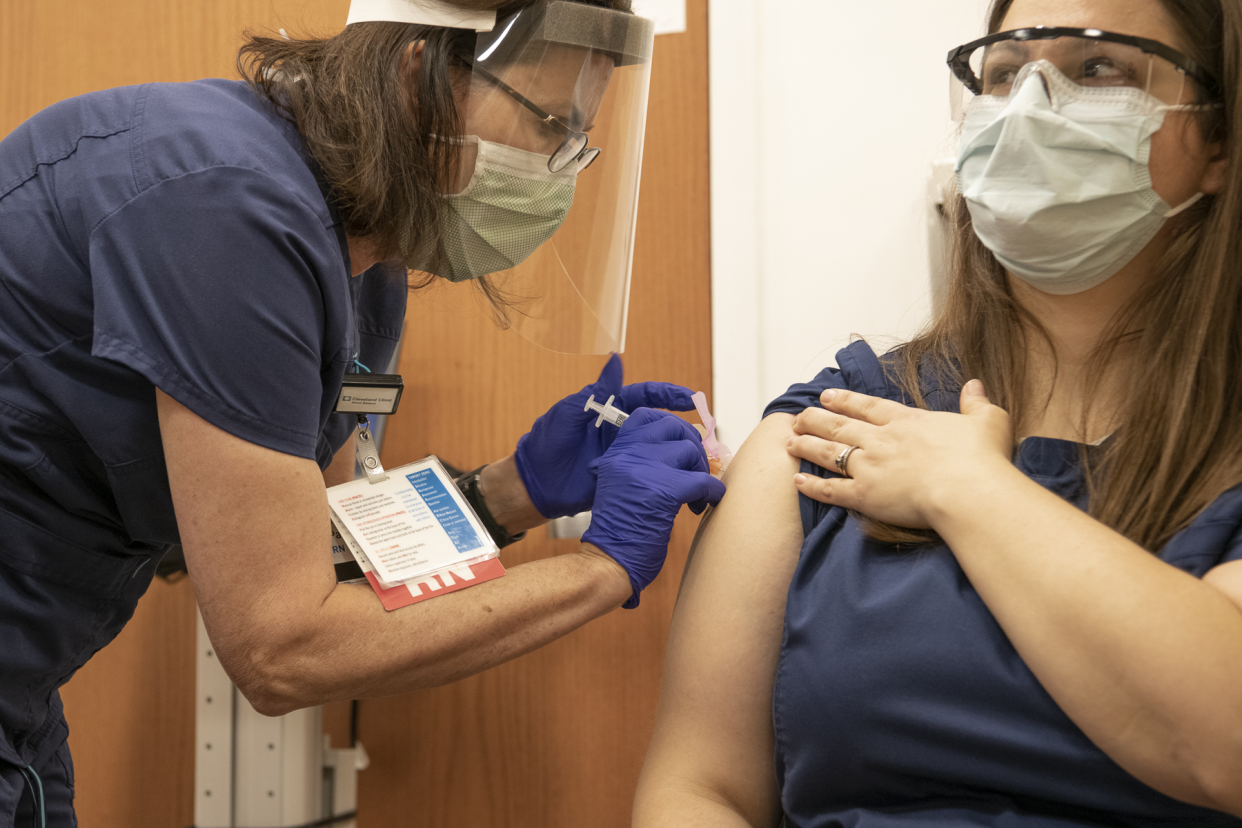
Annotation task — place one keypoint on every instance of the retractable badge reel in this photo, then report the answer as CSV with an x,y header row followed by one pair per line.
x,y
363,395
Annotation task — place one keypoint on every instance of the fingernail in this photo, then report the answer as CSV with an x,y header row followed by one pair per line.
x,y
975,388
829,396
799,479
789,443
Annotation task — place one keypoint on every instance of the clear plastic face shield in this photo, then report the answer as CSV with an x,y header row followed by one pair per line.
x,y
1089,58
547,193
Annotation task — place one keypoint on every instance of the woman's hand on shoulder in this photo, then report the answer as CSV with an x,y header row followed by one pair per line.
x,y
908,464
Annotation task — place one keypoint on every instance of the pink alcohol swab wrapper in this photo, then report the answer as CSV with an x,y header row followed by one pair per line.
x,y
714,447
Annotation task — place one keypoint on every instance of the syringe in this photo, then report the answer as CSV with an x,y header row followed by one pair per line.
x,y
606,411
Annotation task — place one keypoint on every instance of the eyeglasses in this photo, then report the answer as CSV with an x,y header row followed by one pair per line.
x,y
1089,57
573,148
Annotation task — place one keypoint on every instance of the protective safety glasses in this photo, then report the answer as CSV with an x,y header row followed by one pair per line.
x,y
573,149
1089,57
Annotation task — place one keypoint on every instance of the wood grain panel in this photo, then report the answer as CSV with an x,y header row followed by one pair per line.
x,y
131,718
555,738
54,49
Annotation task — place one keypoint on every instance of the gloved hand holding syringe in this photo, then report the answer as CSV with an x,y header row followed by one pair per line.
x,y
609,525
718,453
633,474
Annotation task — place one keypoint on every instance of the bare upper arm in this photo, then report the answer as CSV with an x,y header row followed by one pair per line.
x,y
254,526
341,469
713,735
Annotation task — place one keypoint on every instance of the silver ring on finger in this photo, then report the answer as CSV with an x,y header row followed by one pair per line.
x,y
843,460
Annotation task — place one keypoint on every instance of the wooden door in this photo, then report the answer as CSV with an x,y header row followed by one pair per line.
x,y
555,738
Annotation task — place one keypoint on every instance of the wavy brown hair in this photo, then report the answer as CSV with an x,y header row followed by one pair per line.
x,y
370,125
1178,443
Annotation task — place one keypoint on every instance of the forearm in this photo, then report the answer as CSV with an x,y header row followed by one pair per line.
x,y
1146,659
507,499
348,646
289,635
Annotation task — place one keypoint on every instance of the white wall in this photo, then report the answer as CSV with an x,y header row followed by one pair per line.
x,y
826,118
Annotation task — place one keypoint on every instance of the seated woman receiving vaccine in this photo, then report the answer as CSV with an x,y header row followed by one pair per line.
x,y
994,577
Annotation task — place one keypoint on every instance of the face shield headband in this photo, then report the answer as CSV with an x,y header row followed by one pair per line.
x,y
420,13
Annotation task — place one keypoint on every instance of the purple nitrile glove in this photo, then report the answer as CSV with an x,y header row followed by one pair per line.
x,y
656,464
554,459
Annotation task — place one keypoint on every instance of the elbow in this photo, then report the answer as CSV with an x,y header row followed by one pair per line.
x,y
273,683
271,699
276,659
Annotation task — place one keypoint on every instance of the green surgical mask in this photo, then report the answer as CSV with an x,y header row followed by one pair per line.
x,y
511,206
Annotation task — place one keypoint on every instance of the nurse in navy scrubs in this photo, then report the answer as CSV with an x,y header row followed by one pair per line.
x,y
994,577
187,272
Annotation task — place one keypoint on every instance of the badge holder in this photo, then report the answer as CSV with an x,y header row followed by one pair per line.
x,y
363,395
365,451
409,531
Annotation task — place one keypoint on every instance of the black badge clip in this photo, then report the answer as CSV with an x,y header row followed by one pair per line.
x,y
369,394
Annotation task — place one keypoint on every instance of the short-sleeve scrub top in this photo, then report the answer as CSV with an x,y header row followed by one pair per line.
x,y
900,702
171,236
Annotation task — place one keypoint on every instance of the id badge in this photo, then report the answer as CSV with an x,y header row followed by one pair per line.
x,y
412,534
369,394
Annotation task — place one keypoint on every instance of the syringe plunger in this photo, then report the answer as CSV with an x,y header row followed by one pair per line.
x,y
606,411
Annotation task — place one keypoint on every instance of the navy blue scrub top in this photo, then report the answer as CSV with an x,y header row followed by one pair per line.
x,y
170,236
899,701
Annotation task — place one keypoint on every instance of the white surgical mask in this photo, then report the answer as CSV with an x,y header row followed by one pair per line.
x,y
511,206
1056,178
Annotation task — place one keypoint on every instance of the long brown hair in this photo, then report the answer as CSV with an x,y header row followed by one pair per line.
x,y
372,128
1178,444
